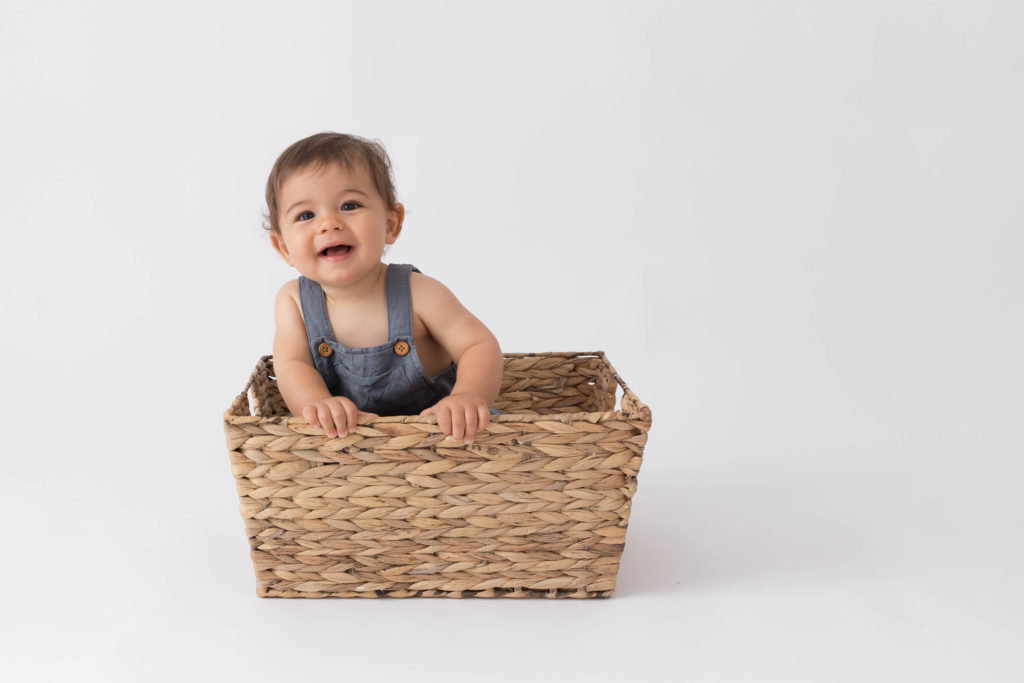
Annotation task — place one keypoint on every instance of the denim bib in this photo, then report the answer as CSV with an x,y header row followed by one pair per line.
x,y
387,379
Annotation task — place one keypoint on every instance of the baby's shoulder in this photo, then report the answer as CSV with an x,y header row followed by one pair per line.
x,y
430,297
290,288
418,279
425,287
289,292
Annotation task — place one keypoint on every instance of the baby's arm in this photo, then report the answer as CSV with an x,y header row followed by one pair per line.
x,y
302,387
474,350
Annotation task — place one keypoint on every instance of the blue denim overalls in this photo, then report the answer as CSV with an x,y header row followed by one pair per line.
x,y
386,379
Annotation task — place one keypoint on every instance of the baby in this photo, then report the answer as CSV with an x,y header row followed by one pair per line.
x,y
355,336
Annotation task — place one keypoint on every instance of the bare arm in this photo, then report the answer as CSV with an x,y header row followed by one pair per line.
x,y
467,340
480,369
302,387
474,350
297,377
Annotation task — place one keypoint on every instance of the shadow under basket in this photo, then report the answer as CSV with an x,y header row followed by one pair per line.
x,y
536,506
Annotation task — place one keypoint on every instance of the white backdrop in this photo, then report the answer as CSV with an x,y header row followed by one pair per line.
x,y
795,227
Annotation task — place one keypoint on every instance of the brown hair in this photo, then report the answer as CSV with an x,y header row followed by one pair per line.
x,y
322,149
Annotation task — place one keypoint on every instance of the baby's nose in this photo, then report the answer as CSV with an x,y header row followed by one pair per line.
x,y
331,221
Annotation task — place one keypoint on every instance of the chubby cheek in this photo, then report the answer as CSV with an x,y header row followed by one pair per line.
x,y
295,249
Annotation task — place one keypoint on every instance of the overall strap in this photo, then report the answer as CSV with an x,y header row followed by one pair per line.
x,y
396,286
314,311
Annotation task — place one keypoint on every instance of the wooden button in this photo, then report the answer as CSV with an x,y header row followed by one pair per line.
x,y
401,348
324,349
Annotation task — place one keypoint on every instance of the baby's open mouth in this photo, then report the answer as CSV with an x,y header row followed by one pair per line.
x,y
336,250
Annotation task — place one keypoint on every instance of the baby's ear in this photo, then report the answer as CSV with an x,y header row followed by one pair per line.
x,y
281,247
395,219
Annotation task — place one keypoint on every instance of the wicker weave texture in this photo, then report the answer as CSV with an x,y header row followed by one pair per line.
x,y
536,506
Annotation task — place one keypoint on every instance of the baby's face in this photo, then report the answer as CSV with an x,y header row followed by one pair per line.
x,y
334,224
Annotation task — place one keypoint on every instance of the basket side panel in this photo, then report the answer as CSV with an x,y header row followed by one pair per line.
x,y
397,509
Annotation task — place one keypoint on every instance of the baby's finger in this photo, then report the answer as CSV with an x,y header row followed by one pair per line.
x,y
327,420
339,418
432,410
353,417
458,423
309,412
483,417
470,423
444,419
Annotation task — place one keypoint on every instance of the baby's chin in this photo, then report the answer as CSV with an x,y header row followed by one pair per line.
x,y
331,275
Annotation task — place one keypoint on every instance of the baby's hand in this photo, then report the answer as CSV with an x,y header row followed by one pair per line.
x,y
461,415
337,414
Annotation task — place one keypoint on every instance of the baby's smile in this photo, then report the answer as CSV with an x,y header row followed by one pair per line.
x,y
335,252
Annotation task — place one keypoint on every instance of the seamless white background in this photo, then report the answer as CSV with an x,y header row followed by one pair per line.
x,y
795,227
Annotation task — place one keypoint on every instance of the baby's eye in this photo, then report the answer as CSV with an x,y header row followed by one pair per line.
x,y
350,206
304,216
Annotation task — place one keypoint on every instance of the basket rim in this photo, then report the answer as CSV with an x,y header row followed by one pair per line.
x,y
640,412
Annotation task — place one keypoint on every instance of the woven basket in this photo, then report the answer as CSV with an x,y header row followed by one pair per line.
x,y
537,506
